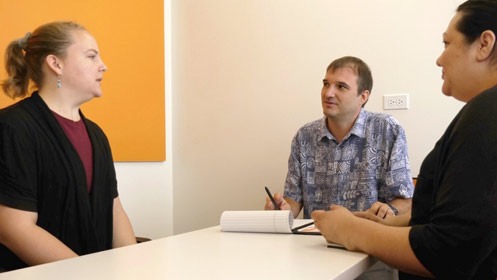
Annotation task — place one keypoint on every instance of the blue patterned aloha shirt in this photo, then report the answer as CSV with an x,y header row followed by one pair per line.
x,y
370,164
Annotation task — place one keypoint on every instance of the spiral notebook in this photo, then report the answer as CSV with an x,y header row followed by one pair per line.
x,y
277,221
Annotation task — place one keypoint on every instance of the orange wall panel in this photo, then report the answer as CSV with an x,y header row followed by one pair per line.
x,y
130,35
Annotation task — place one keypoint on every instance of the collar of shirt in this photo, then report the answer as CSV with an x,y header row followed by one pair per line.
x,y
357,129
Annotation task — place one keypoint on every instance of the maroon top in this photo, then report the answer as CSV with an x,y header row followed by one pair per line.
x,y
77,134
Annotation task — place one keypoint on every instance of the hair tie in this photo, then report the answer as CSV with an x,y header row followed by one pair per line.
x,y
23,42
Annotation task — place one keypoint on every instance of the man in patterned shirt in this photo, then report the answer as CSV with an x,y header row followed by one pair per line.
x,y
350,157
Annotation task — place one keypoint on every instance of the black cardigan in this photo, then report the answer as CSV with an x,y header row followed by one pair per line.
x,y
40,171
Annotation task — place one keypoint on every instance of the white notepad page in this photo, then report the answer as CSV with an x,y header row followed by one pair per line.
x,y
277,221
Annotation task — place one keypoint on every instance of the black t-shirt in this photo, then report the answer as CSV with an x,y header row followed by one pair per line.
x,y
454,210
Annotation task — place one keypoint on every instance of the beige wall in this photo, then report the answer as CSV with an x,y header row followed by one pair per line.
x,y
245,75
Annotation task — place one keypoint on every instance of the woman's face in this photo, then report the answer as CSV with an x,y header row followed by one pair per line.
x,y
456,62
82,67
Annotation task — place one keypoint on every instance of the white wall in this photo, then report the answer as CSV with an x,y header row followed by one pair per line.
x,y
145,191
246,74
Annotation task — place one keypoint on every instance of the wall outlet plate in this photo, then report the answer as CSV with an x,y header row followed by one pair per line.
x,y
396,101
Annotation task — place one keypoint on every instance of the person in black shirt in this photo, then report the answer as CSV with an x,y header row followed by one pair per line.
x,y
451,231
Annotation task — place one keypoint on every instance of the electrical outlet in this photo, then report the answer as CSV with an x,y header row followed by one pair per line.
x,y
396,101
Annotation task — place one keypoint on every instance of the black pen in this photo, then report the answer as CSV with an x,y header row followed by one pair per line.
x,y
276,207
296,229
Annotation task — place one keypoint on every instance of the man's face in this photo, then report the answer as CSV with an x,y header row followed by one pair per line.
x,y
339,96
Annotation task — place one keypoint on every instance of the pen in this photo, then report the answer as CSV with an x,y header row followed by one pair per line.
x,y
276,207
302,226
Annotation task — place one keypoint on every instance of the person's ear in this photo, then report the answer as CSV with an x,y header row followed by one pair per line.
x,y
54,63
364,97
486,45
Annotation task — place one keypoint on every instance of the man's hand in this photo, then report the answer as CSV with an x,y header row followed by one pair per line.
x,y
381,210
280,201
401,220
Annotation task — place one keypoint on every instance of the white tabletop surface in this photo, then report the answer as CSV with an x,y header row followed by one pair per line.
x,y
210,254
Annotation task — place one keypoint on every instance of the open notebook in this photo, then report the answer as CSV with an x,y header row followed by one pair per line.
x,y
277,221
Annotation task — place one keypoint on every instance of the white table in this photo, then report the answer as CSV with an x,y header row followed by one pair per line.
x,y
210,254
